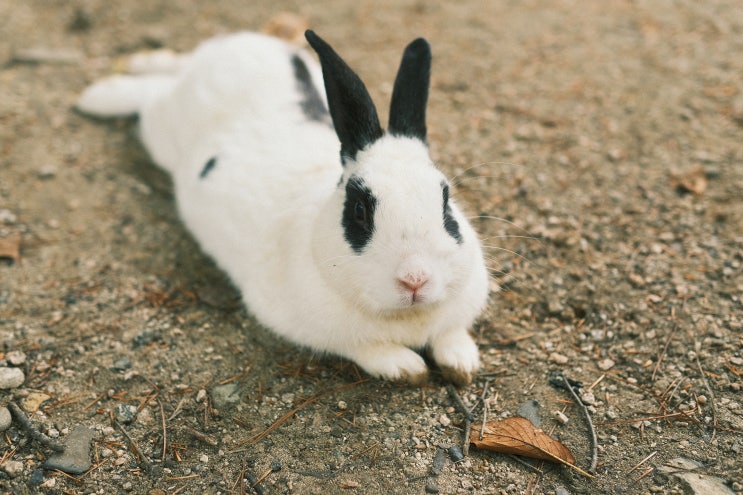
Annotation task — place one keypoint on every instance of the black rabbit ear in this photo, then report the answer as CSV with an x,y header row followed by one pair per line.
x,y
410,94
354,115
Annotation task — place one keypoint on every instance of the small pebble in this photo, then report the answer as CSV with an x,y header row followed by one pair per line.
x,y
588,398
125,413
431,488
122,364
12,468
342,405
16,358
201,395
7,217
46,171
702,399
530,411
444,420
606,364
225,395
558,358
455,453
76,456
36,478
439,461
11,378
5,419
559,416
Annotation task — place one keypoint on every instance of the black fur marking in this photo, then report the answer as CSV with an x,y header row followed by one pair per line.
x,y
410,93
358,214
450,224
208,167
354,114
312,104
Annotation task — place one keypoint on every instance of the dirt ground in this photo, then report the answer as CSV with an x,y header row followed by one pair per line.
x,y
598,146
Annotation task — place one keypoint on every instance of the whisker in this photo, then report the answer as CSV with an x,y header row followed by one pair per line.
x,y
509,236
500,219
453,179
518,255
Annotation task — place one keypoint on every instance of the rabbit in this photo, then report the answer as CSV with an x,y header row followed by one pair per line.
x,y
341,237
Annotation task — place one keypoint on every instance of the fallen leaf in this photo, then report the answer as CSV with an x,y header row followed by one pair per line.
x,y
287,26
517,435
10,248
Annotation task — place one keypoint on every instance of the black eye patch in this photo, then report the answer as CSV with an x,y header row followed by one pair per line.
x,y
450,224
358,214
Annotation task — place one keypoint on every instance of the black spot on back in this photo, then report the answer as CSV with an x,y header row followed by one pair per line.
x,y
450,224
312,105
358,214
208,167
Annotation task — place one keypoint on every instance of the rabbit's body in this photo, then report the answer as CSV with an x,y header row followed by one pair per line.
x,y
243,127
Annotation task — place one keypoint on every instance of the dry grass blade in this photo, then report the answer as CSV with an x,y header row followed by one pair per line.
x,y
517,435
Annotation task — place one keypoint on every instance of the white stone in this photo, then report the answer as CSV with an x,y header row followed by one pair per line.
x,y
11,378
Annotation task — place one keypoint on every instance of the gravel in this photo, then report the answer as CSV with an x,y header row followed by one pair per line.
x,y
597,148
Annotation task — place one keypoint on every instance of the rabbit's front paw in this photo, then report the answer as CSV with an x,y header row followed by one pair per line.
x,y
456,354
392,362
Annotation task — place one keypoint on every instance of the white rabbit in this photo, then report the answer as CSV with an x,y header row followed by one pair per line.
x,y
364,255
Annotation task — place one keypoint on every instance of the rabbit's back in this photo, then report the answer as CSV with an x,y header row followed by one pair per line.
x,y
244,91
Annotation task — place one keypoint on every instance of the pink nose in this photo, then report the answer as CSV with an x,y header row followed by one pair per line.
x,y
412,282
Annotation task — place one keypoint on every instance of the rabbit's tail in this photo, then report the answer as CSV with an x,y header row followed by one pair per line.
x,y
123,95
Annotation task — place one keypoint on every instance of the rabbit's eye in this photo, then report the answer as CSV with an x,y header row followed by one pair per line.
x,y
450,223
359,213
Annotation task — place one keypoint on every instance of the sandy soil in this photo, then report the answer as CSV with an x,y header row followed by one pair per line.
x,y
598,146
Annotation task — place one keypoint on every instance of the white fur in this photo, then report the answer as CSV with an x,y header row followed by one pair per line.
x,y
269,212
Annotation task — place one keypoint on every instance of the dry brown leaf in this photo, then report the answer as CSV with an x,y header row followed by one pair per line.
x,y
10,248
287,26
517,435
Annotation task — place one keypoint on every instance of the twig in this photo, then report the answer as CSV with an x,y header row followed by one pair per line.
x,y
598,380
587,417
32,431
274,468
144,460
485,409
485,406
468,417
524,463
711,399
681,414
647,472
460,404
165,430
642,462
209,440
178,409
663,352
